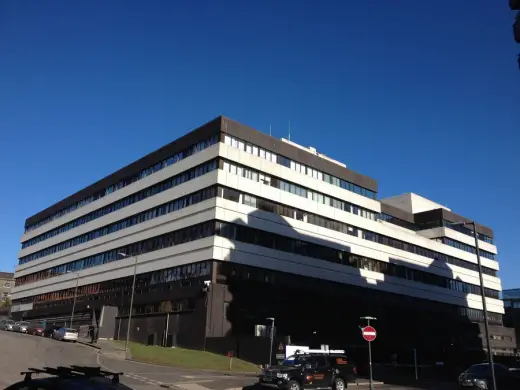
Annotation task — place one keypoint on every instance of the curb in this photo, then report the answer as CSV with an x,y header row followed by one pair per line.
x,y
89,345
229,373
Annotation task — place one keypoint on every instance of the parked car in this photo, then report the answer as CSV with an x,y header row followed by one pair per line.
x,y
36,329
310,370
7,324
66,334
478,376
21,327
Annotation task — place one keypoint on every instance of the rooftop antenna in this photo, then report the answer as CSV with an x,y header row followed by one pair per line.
x,y
289,129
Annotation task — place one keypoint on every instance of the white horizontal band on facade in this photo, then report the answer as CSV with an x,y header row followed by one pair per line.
x,y
255,256
265,191
164,174
335,239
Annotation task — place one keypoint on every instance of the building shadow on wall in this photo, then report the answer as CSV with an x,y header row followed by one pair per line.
x,y
311,311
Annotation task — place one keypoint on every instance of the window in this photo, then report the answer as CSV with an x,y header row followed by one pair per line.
x,y
295,189
291,212
127,201
181,236
303,248
129,180
175,205
298,167
467,248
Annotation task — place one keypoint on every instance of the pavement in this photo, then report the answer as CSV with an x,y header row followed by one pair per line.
x,y
38,352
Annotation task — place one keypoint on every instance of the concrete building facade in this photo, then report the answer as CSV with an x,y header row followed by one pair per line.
x,y
231,226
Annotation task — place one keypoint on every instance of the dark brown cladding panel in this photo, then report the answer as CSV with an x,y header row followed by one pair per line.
x,y
134,168
397,213
205,131
440,214
275,145
452,217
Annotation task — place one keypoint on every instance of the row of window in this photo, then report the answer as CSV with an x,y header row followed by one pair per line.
x,y
512,304
195,148
304,248
144,216
291,212
117,286
397,221
468,232
228,272
174,306
301,168
258,176
167,240
256,237
467,248
127,201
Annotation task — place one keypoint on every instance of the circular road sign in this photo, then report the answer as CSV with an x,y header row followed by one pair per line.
x,y
369,333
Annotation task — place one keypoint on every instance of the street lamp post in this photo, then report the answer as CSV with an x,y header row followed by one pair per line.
x,y
483,295
271,342
131,302
49,274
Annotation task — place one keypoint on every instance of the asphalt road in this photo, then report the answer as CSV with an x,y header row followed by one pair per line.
x,y
20,352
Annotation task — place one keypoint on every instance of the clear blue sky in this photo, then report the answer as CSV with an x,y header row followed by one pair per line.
x,y
422,96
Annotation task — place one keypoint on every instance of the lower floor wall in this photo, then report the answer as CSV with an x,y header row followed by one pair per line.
x,y
224,317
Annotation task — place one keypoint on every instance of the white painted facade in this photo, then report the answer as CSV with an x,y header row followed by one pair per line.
x,y
220,248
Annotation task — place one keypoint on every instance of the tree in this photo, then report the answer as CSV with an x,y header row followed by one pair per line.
x,y
6,303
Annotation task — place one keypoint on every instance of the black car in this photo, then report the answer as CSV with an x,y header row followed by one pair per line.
x,y
478,376
305,371
74,377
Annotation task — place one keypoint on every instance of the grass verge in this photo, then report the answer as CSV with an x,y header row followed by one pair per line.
x,y
188,358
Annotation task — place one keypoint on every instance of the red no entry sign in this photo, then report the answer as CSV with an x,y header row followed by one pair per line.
x,y
369,333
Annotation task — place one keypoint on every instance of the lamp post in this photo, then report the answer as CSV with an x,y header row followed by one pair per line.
x,y
483,295
272,336
131,301
49,273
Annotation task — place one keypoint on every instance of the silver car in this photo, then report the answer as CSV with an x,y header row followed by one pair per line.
x,y
7,325
21,327
66,334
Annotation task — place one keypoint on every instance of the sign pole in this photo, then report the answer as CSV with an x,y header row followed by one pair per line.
x,y
369,334
415,363
370,363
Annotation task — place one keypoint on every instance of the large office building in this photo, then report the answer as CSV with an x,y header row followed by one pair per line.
x,y
229,226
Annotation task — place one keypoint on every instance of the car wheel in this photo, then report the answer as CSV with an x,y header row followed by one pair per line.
x,y
339,384
293,385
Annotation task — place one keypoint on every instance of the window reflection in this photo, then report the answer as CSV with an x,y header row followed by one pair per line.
x,y
167,240
467,248
195,148
303,248
277,208
190,272
298,167
129,200
296,189
144,216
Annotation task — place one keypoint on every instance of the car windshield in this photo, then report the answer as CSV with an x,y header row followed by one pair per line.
x,y
478,369
69,330
293,361
23,323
